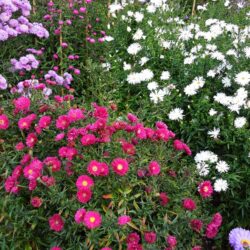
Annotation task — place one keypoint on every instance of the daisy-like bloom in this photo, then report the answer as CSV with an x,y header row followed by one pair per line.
x,y
84,195
62,122
196,225
211,230
84,181
154,168
3,82
4,122
239,122
56,223
220,185
75,115
150,237
44,121
120,166
79,215
31,140
123,219
165,75
189,204
205,189
94,168
53,162
134,48
176,114
22,104
171,240
92,219
222,167
212,112
36,201
214,133
239,238
133,238
242,78
88,139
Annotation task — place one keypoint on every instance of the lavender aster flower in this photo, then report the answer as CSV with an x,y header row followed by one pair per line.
x,y
3,82
239,238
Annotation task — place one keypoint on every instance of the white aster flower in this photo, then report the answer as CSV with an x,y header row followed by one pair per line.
x,y
176,114
152,86
220,185
212,112
239,122
138,17
242,78
134,48
165,75
202,168
143,60
126,66
214,133
206,156
222,167
138,35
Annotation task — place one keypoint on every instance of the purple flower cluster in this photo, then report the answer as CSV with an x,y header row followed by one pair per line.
x,y
53,78
37,52
3,82
27,63
25,87
239,239
12,27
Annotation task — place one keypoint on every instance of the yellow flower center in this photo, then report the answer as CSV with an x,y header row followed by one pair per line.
x,y
119,167
92,219
95,168
1,122
205,189
85,183
245,242
30,171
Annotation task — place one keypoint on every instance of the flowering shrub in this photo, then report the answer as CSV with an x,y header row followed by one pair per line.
x,y
79,177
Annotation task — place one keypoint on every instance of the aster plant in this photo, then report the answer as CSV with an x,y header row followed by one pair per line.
x,y
79,177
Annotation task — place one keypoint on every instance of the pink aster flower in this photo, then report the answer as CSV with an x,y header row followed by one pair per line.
x,y
24,123
84,181
4,122
205,189
22,104
88,139
181,146
56,223
211,230
171,240
53,162
154,168
79,215
196,225
31,173
104,170
94,168
92,219
75,115
62,122
132,118
19,146
44,121
123,219
164,199
128,148
120,166
36,202
133,238
84,195
189,204
31,140
100,112
150,237
217,219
